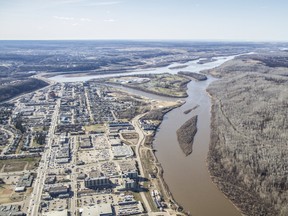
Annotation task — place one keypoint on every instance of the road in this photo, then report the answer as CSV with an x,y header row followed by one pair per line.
x,y
88,104
35,200
141,141
140,144
73,206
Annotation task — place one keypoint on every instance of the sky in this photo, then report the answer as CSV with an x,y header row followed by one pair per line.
x,y
231,20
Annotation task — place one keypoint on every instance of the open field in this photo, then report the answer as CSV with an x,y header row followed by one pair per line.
x,y
248,150
131,137
95,127
14,165
160,84
8,195
5,193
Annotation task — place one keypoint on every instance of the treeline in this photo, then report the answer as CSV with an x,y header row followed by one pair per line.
x,y
20,87
278,59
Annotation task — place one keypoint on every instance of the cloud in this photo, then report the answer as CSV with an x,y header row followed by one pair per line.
x,y
75,20
85,20
104,3
109,20
63,18
57,2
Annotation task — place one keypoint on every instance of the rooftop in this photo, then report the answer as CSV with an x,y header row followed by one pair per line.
x,y
97,210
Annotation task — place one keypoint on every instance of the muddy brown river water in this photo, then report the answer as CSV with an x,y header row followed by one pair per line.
x,y
187,177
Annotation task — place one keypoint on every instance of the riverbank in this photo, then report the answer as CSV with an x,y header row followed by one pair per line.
x,y
85,73
150,169
165,188
196,76
155,166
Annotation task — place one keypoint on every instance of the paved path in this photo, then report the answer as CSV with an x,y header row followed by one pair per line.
x,y
141,141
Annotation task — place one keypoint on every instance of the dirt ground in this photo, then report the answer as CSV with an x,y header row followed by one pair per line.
x,y
131,137
5,193
15,165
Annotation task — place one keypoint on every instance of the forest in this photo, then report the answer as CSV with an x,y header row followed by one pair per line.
x,y
18,87
249,150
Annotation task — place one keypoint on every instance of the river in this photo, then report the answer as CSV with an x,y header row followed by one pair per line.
x,y
187,177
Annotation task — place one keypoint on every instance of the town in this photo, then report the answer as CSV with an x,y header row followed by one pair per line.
x,y
78,149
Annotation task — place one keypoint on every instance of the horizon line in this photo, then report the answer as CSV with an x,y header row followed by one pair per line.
x,y
157,40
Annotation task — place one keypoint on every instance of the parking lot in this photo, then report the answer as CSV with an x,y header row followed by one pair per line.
x,y
97,199
55,205
94,156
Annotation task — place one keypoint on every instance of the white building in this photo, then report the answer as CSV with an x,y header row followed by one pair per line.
x,y
97,210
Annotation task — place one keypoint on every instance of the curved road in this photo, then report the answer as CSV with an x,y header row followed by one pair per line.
x,y
141,140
